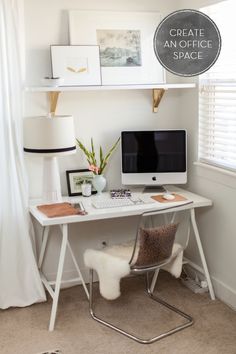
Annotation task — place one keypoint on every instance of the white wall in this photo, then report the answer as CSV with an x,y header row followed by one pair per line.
x,y
217,224
99,114
103,114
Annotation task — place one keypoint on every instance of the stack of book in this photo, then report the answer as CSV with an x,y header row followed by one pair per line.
x,y
120,193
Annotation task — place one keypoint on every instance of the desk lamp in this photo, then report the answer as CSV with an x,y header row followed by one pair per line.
x,y
50,137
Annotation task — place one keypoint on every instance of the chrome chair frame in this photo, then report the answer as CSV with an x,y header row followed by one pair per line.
x,y
149,291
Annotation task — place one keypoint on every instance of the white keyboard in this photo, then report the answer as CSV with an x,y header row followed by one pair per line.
x,y
112,203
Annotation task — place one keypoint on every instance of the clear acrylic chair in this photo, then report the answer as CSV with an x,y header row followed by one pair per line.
x,y
144,265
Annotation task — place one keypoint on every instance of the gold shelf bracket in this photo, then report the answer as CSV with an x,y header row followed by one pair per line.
x,y
53,98
157,95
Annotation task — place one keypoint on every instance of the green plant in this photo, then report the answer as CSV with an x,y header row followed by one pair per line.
x,y
94,166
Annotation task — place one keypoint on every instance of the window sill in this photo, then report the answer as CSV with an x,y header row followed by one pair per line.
x,y
216,169
216,174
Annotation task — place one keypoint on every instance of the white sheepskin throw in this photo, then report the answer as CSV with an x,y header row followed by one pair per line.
x,y
110,270
112,264
175,265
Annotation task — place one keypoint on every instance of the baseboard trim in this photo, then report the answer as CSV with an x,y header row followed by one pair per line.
x,y
67,275
222,291
71,274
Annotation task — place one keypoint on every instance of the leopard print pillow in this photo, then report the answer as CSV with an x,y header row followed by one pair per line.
x,y
155,245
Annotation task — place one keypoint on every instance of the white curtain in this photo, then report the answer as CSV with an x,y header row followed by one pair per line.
x,y
20,283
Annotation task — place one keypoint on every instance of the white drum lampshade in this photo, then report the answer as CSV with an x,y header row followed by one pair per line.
x,y
50,137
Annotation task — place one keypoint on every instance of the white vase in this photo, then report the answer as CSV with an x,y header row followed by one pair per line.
x,y
99,183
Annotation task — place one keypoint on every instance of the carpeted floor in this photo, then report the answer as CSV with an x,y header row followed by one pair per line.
x,y
24,331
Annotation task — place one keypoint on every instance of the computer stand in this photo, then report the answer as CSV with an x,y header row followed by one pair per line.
x,y
154,189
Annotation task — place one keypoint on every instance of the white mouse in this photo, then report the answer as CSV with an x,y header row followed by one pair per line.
x,y
168,196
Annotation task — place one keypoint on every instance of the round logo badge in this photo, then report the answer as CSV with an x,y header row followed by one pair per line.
x,y
187,42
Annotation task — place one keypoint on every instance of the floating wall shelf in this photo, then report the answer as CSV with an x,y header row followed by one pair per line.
x,y
158,91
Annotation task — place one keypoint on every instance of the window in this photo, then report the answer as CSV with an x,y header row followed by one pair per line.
x,y
217,95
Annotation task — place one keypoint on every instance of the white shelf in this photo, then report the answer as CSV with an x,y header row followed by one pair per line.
x,y
103,88
157,91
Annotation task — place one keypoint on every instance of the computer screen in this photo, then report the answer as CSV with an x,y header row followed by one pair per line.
x,y
160,154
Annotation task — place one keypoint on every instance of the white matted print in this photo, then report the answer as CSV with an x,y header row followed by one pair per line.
x,y
114,32
77,64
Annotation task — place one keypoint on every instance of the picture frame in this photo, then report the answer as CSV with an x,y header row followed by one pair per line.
x,y
74,180
121,35
76,65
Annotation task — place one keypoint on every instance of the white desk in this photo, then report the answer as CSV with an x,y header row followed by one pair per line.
x,y
103,214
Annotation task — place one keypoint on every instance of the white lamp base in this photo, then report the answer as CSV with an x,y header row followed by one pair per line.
x,y
51,181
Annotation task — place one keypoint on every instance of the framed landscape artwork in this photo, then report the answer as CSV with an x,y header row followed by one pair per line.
x,y
77,65
75,178
126,44
119,48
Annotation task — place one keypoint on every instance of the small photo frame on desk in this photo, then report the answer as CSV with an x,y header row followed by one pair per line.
x,y
74,180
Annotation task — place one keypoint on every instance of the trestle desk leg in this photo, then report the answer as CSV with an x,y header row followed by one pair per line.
x,y
78,270
43,246
199,244
59,276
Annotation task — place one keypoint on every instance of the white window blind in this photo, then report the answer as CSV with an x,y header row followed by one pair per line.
x,y
217,94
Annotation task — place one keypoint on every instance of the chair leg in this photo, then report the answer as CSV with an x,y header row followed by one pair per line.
x,y
129,335
105,323
170,307
154,279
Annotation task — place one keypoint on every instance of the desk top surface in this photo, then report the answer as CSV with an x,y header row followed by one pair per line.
x,y
109,213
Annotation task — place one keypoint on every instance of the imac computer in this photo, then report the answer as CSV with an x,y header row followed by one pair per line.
x,y
153,158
